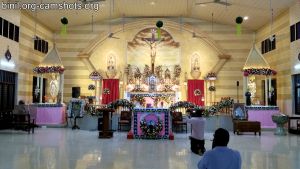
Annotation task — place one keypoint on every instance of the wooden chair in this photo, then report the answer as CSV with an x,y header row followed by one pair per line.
x,y
177,122
240,120
124,120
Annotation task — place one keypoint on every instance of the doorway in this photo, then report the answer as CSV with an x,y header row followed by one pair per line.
x,y
7,90
272,99
36,95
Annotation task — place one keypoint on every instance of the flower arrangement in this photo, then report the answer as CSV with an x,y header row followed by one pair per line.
x,y
122,103
182,104
48,69
95,76
211,76
151,129
91,87
259,71
138,98
106,91
212,88
197,92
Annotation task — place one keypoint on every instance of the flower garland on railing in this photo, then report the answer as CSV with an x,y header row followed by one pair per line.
x,y
212,110
48,69
182,104
259,71
121,102
212,88
151,130
211,76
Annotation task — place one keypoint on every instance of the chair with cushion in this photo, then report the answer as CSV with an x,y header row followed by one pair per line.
x,y
178,123
240,120
124,120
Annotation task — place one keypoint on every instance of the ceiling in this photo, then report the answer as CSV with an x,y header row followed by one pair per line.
x,y
258,11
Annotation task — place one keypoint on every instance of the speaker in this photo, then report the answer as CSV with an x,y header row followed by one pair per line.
x,y
237,83
75,92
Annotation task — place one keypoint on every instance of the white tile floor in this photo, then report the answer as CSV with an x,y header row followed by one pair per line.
x,y
57,148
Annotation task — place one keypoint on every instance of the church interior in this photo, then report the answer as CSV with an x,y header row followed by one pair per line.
x,y
111,84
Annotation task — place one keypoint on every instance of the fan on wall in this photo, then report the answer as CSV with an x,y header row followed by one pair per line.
x,y
215,2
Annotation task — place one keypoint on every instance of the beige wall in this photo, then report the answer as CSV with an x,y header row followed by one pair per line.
x,y
79,38
279,59
29,58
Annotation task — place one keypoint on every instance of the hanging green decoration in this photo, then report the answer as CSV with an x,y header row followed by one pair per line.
x,y
159,24
239,21
64,22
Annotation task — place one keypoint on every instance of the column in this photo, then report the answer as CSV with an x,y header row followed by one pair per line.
x,y
61,86
245,85
41,88
266,91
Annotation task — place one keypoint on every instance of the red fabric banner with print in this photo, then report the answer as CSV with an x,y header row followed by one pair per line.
x,y
196,92
110,90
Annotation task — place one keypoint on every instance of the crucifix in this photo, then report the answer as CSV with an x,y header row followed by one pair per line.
x,y
152,42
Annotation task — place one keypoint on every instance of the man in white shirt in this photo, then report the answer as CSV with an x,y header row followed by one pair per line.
x,y
220,157
197,138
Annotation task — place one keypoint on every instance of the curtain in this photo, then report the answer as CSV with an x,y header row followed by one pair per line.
x,y
196,92
110,90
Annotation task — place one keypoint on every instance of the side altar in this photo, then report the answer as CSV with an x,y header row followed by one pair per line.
x,y
151,123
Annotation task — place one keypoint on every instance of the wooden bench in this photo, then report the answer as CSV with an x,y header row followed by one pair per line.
x,y
246,126
17,121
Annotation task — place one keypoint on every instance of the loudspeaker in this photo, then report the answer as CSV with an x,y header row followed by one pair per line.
x,y
75,92
237,83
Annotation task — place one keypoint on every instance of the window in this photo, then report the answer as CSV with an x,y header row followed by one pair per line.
x,y
295,32
1,20
267,45
40,45
297,93
9,30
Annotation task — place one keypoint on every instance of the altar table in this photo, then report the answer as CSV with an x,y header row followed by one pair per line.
x,y
152,117
48,114
263,114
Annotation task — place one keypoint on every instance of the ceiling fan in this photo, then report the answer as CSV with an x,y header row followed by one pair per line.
x,y
111,35
90,1
194,35
216,2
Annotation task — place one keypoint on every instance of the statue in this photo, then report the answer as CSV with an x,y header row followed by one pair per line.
x,y
195,67
111,67
53,87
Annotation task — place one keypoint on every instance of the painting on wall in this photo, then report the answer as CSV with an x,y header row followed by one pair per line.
x,y
147,49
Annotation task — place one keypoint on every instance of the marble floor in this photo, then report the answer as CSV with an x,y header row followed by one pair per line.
x,y
62,148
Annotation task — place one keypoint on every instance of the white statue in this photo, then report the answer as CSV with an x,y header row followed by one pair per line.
x,y
252,86
53,86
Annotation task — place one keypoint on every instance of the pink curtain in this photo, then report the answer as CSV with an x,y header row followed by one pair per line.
x,y
112,85
196,92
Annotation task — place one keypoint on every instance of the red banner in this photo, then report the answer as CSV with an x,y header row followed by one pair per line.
x,y
196,92
110,90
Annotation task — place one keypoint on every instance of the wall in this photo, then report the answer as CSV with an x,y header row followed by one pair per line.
x,y
13,17
80,37
30,58
279,59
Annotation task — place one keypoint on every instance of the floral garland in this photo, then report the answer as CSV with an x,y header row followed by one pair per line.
x,y
151,130
197,92
211,76
106,91
91,87
211,110
121,102
259,71
48,69
184,104
212,88
95,76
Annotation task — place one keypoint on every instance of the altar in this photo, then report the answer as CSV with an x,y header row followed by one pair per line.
x,y
263,114
151,123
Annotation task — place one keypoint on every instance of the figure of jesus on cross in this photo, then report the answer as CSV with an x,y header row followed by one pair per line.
x,y
152,42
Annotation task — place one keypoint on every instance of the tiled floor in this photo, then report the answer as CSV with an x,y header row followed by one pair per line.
x,y
57,148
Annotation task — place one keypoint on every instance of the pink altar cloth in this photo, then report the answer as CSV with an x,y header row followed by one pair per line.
x,y
263,116
48,115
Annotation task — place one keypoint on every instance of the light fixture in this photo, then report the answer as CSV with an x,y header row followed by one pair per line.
x,y
202,5
7,64
246,18
152,3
